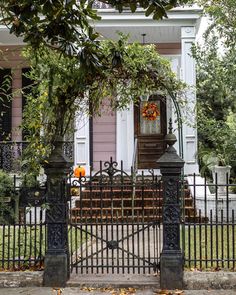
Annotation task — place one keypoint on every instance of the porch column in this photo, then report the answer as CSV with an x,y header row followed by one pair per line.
x,y
125,137
189,77
16,104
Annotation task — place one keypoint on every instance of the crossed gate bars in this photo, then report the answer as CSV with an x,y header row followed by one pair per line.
x,y
115,230
171,260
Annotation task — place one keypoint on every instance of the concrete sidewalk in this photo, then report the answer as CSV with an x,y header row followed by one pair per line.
x,y
104,291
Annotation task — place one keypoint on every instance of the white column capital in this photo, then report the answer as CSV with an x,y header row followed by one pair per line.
x,y
188,32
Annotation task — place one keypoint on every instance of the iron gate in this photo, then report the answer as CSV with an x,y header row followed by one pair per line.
x,y
115,222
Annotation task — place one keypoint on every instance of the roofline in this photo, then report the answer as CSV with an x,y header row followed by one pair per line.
x,y
192,12
180,16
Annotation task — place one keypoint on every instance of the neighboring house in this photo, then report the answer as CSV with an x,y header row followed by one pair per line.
x,y
113,134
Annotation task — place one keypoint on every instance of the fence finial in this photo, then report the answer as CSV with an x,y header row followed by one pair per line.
x,y
170,138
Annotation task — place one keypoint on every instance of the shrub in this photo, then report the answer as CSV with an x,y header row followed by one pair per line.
x,y
6,198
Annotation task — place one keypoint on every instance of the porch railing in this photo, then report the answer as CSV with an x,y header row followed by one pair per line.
x,y
11,154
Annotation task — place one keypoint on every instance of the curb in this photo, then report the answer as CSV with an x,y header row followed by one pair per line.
x,y
21,279
115,281
192,280
209,280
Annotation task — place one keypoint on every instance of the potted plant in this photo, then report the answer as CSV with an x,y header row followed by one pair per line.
x,y
221,155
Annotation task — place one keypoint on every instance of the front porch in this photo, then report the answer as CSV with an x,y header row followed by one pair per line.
x,y
113,134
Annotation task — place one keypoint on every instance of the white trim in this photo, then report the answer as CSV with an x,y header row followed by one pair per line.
x,y
125,137
82,144
188,35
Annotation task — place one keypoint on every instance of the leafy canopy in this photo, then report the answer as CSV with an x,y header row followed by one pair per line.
x,y
64,87
216,103
223,15
65,24
72,69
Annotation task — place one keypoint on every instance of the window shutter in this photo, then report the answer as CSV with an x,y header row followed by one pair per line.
x,y
5,104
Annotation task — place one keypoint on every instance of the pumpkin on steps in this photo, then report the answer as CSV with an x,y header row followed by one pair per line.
x,y
79,171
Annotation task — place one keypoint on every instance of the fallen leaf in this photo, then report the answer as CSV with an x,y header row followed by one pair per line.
x,y
165,292
179,292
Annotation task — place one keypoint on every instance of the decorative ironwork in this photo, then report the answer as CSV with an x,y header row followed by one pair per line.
x,y
68,148
118,220
11,154
34,196
171,191
171,214
56,215
112,245
171,237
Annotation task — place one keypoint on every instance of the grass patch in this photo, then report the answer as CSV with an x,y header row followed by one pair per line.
x,y
24,246
209,246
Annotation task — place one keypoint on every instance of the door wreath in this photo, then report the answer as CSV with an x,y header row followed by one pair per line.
x,y
150,111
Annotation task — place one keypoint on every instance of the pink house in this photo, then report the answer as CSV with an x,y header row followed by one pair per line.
x,y
113,134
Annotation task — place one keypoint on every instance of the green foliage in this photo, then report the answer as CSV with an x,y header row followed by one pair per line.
x,y
216,104
64,86
6,185
6,197
223,15
30,181
66,24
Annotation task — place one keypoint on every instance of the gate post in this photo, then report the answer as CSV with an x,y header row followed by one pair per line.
x,y
171,260
56,271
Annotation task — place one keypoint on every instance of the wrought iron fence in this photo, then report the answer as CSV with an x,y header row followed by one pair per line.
x,y
22,227
11,154
23,245
114,230
208,228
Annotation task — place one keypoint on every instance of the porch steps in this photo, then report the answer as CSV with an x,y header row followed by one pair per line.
x,y
118,205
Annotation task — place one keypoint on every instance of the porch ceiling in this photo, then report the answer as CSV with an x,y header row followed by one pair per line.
x,y
164,31
153,34
135,24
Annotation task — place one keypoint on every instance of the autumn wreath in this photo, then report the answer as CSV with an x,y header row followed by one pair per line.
x,y
150,111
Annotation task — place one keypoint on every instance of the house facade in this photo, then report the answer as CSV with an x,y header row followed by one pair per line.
x,y
122,135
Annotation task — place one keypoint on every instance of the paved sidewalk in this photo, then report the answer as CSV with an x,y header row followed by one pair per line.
x,y
104,291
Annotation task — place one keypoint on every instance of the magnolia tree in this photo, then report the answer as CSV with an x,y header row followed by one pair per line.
x,y
73,71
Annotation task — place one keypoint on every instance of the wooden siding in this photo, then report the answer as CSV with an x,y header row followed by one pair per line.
x,y
169,48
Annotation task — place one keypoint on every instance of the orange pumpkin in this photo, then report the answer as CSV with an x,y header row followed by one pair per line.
x,y
79,171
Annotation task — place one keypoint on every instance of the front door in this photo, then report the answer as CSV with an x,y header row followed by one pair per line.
x,y
150,130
